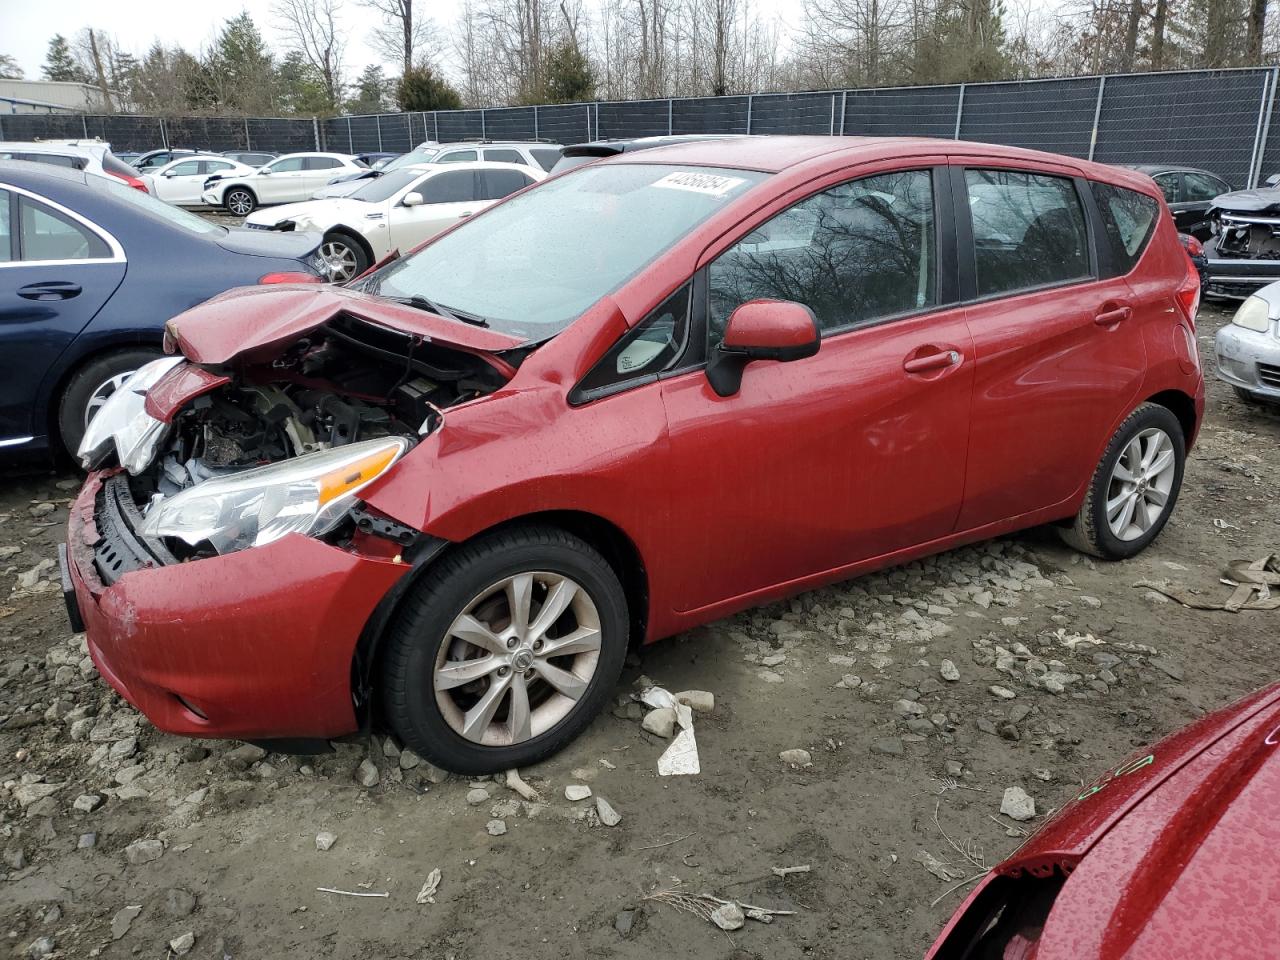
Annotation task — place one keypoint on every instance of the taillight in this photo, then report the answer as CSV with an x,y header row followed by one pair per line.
x,y
131,181
1188,293
1194,247
289,277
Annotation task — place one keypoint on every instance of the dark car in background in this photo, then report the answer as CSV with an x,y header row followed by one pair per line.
x,y
155,159
1189,192
1244,251
251,158
90,270
577,154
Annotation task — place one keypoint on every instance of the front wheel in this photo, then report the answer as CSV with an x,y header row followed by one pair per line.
x,y
344,259
239,201
505,651
1134,487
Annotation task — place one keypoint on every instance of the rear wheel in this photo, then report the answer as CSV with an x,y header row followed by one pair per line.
x,y
505,651
1134,487
240,201
344,259
91,386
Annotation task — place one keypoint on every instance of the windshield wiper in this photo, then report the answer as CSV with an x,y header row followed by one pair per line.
x,y
422,303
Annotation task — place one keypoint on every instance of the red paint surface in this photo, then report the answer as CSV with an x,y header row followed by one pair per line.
x,y
864,455
771,324
1172,856
178,386
260,641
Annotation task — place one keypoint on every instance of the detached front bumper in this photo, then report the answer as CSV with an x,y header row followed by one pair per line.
x,y
1249,359
251,645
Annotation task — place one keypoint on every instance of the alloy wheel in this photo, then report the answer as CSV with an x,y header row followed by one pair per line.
x,y
240,203
1141,483
339,259
517,659
102,392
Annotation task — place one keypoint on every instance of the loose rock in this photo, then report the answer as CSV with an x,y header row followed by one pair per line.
x,y
660,722
949,671
367,773
801,758
143,851
1017,804
576,792
123,919
178,902
728,916
608,816
496,828
182,945
325,840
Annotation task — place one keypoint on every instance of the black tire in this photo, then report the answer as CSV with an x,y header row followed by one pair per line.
x,y
73,410
414,640
1090,532
243,197
336,244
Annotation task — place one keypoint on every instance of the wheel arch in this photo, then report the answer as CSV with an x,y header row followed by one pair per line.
x,y
1182,406
617,548
132,340
239,186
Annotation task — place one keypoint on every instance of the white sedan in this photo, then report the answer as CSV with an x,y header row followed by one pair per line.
x,y
181,181
286,179
397,211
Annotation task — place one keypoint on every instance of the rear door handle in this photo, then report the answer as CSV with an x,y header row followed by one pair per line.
x,y
934,361
1109,318
464,213
51,290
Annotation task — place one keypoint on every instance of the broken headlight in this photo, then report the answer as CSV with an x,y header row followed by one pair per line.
x,y
124,422
1254,314
308,494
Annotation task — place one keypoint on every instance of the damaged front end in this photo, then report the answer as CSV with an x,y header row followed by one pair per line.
x,y
278,438
1244,252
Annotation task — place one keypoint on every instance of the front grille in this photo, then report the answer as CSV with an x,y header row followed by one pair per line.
x,y
1269,374
120,549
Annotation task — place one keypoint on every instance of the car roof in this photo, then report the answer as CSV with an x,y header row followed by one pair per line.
x,y
1151,169
774,154
90,148
32,175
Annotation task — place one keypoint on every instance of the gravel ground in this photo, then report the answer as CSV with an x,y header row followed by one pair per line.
x,y
924,691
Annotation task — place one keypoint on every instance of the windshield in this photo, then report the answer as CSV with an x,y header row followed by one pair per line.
x,y
530,266
421,155
175,215
385,187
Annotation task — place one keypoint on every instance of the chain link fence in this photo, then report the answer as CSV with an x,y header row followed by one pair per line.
x,y
1226,121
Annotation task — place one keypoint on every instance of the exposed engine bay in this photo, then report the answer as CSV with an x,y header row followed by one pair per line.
x,y
241,457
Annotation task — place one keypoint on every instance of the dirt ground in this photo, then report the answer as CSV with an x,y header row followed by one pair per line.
x,y
852,674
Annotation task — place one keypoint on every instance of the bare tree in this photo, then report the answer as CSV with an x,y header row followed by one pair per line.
x,y
404,33
90,52
1257,28
313,28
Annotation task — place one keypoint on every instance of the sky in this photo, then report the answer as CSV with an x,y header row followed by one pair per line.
x,y
27,25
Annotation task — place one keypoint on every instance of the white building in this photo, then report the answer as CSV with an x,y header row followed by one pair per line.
x,y
53,96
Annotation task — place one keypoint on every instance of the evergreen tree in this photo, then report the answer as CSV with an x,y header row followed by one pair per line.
x,y
239,69
370,92
421,89
9,69
60,63
300,88
567,76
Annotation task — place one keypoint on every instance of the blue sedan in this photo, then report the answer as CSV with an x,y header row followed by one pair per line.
x,y
90,270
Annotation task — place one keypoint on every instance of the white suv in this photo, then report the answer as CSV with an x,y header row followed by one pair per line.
x,y
529,153
287,179
91,156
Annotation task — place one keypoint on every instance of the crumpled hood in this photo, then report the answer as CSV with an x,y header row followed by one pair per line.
x,y
1249,201
256,319
1179,838
323,213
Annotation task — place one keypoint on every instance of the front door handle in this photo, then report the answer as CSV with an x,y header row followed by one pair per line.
x,y
1109,318
934,361
51,290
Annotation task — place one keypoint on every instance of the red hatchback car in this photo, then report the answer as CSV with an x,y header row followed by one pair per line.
x,y
1171,854
643,395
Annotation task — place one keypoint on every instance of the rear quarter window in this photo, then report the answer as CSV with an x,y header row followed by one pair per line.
x,y
1129,220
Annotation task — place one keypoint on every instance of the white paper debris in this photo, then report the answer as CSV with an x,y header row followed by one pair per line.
x,y
681,758
428,892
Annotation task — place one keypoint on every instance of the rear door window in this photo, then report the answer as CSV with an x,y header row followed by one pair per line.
x,y
546,157
1129,219
458,156
1200,187
496,184
1028,231
504,155
1169,184
47,234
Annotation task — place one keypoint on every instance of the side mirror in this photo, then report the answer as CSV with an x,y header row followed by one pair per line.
x,y
413,199
265,171
761,330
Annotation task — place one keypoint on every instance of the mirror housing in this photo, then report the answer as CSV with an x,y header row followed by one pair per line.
x,y
761,330
412,199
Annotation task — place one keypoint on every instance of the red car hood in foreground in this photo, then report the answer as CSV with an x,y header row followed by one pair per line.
x,y
258,318
1172,854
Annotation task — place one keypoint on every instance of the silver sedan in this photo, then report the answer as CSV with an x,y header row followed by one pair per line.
x,y
1248,348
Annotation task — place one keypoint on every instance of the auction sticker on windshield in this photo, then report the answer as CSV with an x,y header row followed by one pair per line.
x,y
711,184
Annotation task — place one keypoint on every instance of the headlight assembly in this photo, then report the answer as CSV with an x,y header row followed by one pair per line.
x,y
1254,314
308,494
